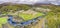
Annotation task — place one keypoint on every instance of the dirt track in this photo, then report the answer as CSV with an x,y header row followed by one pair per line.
x,y
39,25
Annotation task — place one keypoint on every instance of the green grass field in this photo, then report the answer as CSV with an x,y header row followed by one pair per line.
x,y
2,21
29,16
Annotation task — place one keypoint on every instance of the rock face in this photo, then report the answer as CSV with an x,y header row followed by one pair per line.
x,y
30,12
17,19
41,9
